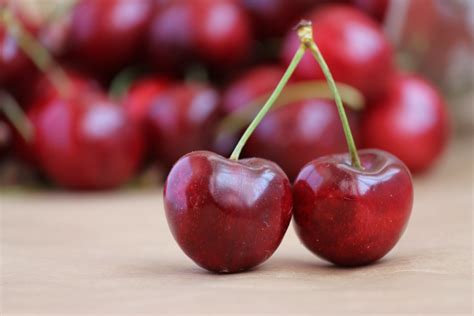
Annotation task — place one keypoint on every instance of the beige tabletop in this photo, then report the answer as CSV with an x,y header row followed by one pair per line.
x,y
112,253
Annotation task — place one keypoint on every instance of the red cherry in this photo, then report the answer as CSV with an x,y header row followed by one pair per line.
x,y
354,47
299,132
182,119
140,97
227,215
348,216
411,122
106,35
85,141
216,32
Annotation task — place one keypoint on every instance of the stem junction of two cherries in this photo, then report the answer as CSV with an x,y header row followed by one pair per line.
x,y
305,34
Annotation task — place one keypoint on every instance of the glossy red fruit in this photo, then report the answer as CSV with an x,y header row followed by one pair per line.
x,y
85,141
348,216
227,216
297,133
353,46
411,122
216,32
106,35
182,119
140,96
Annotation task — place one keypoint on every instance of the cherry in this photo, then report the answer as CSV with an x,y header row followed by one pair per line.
x,y
350,209
228,216
6,136
140,96
296,133
216,32
411,122
106,35
84,141
356,50
182,119
351,216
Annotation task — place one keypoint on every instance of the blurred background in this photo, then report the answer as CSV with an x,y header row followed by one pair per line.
x,y
102,94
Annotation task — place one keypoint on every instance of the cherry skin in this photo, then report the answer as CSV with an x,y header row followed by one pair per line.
x,y
348,216
226,215
182,119
140,96
353,46
84,141
106,35
216,32
411,122
297,133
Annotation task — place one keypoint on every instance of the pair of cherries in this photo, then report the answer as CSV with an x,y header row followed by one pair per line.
x,y
230,215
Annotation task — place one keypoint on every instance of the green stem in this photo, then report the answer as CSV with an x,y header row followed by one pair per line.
x,y
15,114
36,52
267,106
306,38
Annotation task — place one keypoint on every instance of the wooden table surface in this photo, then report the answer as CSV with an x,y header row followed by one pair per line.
x,y
97,253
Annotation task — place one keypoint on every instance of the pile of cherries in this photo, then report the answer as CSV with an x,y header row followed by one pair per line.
x,y
182,74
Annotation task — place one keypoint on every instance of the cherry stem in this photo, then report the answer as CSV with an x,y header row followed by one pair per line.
x,y
305,33
12,110
267,106
36,52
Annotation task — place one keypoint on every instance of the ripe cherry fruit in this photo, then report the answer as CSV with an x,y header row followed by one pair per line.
x,y
182,119
411,122
230,215
349,210
354,46
85,141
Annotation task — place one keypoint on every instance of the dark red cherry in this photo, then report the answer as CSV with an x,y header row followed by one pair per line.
x,y
411,122
84,141
106,35
216,32
348,216
297,133
226,215
140,96
353,46
182,119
